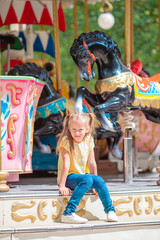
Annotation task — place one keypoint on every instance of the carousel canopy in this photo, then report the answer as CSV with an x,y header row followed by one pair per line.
x,y
42,41
30,12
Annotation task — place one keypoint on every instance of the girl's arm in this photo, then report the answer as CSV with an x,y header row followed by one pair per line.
x,y
66,164
92,163
92,166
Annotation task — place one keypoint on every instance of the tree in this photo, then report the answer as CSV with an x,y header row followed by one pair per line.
x,y
145,34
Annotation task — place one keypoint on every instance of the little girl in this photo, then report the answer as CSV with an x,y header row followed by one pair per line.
x,y
77,170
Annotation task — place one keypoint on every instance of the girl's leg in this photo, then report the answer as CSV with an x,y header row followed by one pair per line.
x,y
102,190
80,183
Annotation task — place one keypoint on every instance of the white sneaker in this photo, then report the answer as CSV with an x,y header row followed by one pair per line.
x,y
73,219
112,217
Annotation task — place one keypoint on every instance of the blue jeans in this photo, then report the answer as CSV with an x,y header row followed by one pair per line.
x,y
81,183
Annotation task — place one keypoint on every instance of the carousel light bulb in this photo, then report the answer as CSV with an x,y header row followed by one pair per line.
x,y
106,20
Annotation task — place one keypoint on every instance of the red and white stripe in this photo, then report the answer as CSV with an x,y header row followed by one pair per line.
x,y
29,12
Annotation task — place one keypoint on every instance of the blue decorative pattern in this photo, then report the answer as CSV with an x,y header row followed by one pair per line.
x,y
51,108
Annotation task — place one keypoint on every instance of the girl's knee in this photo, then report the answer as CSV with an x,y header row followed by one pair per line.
x,y
98,181
87,180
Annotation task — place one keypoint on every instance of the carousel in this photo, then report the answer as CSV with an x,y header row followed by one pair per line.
x,y
34,102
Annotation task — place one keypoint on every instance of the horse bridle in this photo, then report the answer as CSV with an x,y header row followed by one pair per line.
x,y
90,54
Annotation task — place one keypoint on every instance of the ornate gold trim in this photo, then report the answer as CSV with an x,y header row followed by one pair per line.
x,y
65,201
119,81
155,103
3,186
14,92
157,198
57,204
41,215
156,210
19,217
62,113
32,93
118,201
82,211
119,211
137,210
11,130
150,203
19,205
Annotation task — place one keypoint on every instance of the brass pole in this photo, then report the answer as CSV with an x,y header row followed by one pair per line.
x,y
127,32
127,143
86,16
159,30
43,54
134,150
86,28
76,36
132,33
57,45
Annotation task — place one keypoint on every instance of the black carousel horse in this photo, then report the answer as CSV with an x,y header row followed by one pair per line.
x,y
45,124
118,89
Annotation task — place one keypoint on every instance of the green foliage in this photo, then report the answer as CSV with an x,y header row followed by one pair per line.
x,y
145,34
67,38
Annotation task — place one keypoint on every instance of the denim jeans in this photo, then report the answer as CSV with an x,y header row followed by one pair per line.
x,y
81,183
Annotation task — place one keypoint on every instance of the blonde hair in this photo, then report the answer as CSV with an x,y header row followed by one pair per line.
x,y
83,117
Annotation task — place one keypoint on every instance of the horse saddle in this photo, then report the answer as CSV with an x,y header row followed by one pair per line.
x,y
147,91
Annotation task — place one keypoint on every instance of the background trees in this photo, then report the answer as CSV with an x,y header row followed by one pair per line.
x,y
145,34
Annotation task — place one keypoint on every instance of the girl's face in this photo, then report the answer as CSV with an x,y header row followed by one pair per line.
x,y
78,130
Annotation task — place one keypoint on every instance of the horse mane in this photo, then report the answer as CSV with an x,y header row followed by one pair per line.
x,y
31,69
78,48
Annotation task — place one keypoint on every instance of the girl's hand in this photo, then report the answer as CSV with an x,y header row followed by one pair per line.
x,y
94,191
65,191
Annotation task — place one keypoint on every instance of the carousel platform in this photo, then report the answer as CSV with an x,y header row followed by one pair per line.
x,y
33,207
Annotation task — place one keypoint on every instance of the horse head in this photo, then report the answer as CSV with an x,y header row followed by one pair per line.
x,y
86,60
97,47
